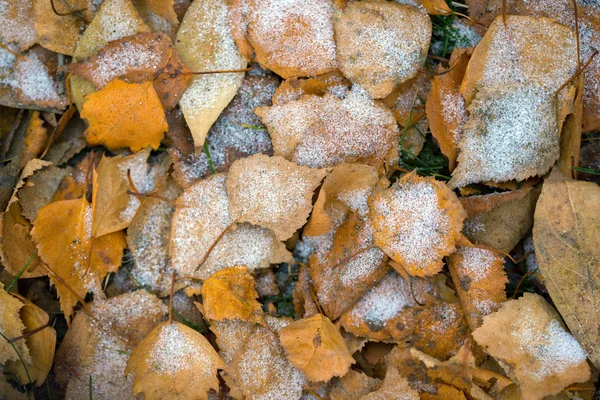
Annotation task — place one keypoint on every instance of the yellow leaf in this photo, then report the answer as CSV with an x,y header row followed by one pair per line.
x,y
567,246
205,44
174,362
40,344
436,7
11,326
315,346
125,115
58,33
230,294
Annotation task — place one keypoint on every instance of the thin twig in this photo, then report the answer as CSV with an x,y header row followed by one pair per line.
x,y
577,33
64,14
579,72
27,334
171,298
212,246
14,53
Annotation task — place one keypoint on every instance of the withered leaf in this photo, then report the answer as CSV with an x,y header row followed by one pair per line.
x,y
174,361
35,139
11,326
394,386
229,294
17,23
271,192
58,33
315,346
565,233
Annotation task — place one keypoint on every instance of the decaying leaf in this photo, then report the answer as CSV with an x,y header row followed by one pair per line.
x,y
125,115
293,88
35,139
11,326
113,205
63,233
417,221
291,39
325,131
500,220
29,169
40,345
174,361
199,232
205,44
58,33
18,248
256,363
40,189
17,23
271,192
353,385
100,346
159,15
389,52
567,246
479,279
446,109
394,386
229,294
528,340
315,346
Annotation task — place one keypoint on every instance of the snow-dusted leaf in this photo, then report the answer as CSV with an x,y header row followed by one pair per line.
x,y
272,192
324,131
205,44
417,221
293,38
529,341
381,44
175,362
16,18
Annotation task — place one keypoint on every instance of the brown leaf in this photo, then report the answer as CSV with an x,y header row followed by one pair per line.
x,y
17,246
205,44
315,346
528,340
230,295
295,39
41,346
174,361
570,136
394,386
293,88
40,189
35,139
125,115
446,110
58,33
80,180
325,131
479,278
199,232
11,326
256,363
100,346
567,246
353,385
17,22
261,188
159,15
417,221
387,54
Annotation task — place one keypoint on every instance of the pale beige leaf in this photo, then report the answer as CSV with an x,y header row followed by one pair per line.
x,y
205,44
11,326
394,386
175,362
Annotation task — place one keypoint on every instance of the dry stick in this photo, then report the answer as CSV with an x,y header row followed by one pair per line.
x,y
504,12
64,14
212,246
576,74
171,298
312,392
410,281
19,56
27,334
69,288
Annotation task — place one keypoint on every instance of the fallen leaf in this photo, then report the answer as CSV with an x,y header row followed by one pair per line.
x,y
199,232
11,326
70,142
35,139
446,110
315,346
570,136
18,248
28,170
58,33
159,15
479,278
353,385
293,88
271,192
325,131
303,297
17,23
292,39
566,247
40,345
417,221
394,386
100,346
436,7
174,361
256,365
528,340
80,180
125,115
40,189
229,294
205,44
389,52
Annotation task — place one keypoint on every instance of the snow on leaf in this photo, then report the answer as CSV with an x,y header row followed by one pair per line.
x,y
176,362
529,341
291,38
271,192
390,51
16,18
417,221
205,44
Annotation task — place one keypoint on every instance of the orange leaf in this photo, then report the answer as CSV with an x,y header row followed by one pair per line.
x,y
35,139
125,115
